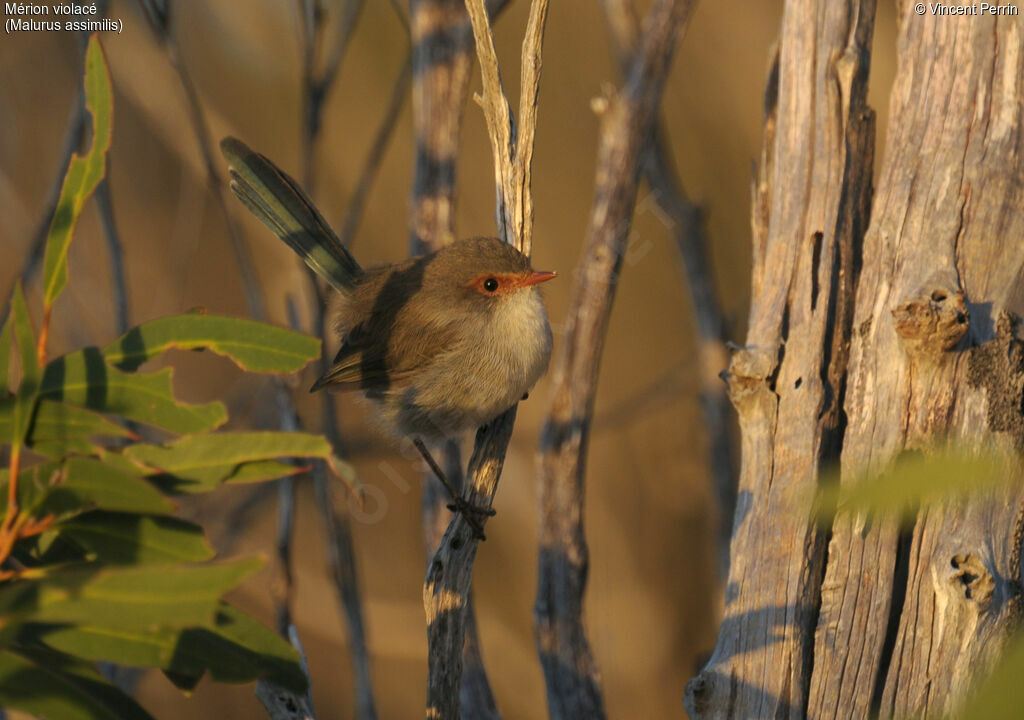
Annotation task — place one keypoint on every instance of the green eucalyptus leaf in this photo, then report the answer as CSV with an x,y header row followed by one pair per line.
x,y
129,538
34,482
56,423
57,449
211,478
24,334
253,346
83,378
59,421
57,687
87,483
214,457
78,484
913,481
83,175
28,390
234,648
122,598
5,356
1001,696
261,471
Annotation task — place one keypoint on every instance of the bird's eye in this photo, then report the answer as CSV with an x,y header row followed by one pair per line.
x,y
490,284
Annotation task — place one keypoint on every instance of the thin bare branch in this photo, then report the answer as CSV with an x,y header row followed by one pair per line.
x,y
283,591
341,562
522,175
385,131
345,26
442,64
500,125
446,592
396,5
685,222
283,704
338,539
115,252
446,589
442,59
628,120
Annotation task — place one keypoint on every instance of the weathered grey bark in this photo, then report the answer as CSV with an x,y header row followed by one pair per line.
x,y
870,343
442,56
446,589
281,703
627,124
686,223
946,242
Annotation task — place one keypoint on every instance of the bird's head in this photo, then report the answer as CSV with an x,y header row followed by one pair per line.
x,y
482,272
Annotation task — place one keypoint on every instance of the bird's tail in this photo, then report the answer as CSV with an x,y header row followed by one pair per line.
x,y
280,203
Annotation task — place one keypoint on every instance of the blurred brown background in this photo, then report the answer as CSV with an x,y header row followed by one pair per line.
x,y
653,600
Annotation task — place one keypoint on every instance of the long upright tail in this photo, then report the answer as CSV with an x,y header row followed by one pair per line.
x,y
280,203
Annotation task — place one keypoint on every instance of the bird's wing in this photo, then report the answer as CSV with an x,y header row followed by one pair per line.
x,y
366,362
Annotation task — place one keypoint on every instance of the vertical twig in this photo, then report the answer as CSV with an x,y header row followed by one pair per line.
x,y
450,573
316,86
686,224
626,125
442,64
446,590
285,531
283,704
385,130
342,564
513,160
115,251
340,551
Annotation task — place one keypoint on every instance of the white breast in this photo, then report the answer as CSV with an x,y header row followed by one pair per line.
x,y
489,371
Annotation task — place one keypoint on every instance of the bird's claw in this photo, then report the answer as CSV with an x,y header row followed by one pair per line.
x,y
472,513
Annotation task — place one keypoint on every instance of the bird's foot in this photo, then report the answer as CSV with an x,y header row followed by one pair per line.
x,y
472,514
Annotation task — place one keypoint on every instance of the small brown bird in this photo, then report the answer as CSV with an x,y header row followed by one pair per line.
x,y
441,343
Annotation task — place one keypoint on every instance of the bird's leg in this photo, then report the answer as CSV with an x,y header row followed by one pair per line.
x,y
458,504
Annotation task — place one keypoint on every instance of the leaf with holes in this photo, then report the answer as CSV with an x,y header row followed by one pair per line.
x,y
83,378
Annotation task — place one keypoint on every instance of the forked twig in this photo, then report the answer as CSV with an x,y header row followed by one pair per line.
x,y
446,590
442,64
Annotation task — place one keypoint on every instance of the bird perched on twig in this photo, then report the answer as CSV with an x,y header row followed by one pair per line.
x,y
440,343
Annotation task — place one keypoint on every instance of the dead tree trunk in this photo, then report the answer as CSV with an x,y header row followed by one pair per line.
x,y
867,341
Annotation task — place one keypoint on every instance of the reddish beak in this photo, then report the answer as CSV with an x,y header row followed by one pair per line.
x,y
537,277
